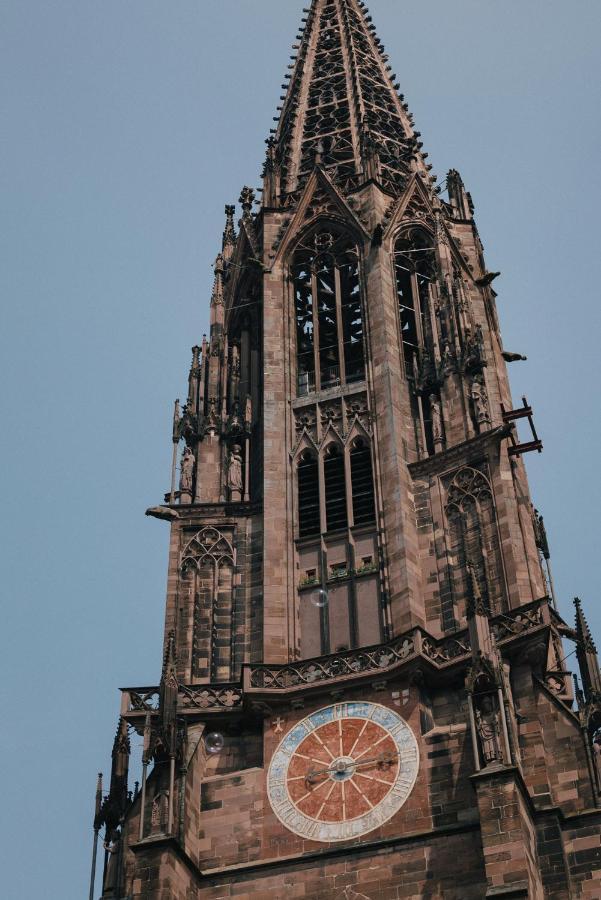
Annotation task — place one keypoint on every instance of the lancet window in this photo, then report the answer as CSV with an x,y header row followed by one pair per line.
x,y
335,484
328,312
415,266
475,555
364,510
347,475
308,496
208,574
338,557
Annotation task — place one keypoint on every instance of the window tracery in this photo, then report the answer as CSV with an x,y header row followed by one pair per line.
x,y
339,572
477,568
208,574
328,312
415,270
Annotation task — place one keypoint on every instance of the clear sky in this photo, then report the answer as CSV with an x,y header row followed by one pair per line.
x,y
127,125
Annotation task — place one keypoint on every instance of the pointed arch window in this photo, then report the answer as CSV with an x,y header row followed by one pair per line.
x,y
475,552
335,482
308,496
364,508
340,581
414,266
328,311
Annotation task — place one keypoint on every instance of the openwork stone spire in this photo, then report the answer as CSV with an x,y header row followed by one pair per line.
x,y
342,110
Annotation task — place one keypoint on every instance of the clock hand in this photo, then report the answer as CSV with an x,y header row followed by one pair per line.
x,y
342,766
314,773
381,758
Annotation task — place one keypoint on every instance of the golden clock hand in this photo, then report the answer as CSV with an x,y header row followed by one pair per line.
x,y
343,766
340,766
381,758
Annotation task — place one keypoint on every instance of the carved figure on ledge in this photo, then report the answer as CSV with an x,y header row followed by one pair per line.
x,y
234,473
235,425
186,472
473,353
159,814
437,429
480,401
597,755
112,846
488,726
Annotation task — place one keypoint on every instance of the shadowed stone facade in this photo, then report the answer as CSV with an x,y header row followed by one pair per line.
x,y
364,693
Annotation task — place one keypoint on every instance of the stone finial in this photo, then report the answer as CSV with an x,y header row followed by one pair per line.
x,y
217,296
247,199
229,233
168,693
586,652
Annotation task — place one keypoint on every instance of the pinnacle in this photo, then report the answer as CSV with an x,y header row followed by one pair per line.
x,y
341,108
582,627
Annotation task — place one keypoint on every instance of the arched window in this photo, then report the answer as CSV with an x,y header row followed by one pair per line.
x,y
364,510
414,265
475,551
328,310
333,465
208,574
308,496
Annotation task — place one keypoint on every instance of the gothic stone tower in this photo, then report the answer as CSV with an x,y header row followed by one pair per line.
x,y
363,692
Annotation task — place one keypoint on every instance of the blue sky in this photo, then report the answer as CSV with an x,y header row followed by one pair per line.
x,y
126,128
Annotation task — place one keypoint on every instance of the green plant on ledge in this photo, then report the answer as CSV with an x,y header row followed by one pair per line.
x,y
338,574
309,582
366,569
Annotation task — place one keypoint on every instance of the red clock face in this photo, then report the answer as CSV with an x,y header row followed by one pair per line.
x,y
343,771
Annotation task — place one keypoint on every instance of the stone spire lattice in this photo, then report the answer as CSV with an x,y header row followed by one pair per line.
x,y
342,109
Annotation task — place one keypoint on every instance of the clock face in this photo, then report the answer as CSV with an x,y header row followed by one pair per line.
x,y
343,771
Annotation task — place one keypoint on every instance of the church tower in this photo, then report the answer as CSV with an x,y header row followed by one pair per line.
x,y
364,693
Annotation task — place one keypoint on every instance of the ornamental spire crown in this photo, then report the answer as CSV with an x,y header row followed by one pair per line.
x,y
341,108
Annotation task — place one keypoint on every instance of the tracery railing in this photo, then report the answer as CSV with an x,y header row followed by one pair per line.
x,y
369,661
517,621
349,663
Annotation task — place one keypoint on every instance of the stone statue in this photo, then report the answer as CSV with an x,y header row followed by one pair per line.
x,y
436,414
488,725
597,755
471,354
186,472
235,425
235,361
480,401
234,473
540,534
212,415
447,361
112,846
159,814
248,411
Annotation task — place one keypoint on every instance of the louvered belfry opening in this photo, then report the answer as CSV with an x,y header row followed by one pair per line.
x,y
308,496
415,263
334,476
328,311
305,335
364,508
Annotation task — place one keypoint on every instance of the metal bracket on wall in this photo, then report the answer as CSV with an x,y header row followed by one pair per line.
x,y
512,415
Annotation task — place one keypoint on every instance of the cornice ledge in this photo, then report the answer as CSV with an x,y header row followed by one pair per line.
x,y
459,454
